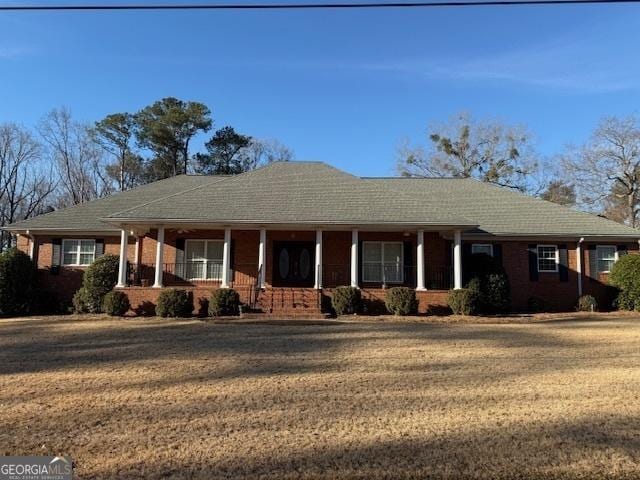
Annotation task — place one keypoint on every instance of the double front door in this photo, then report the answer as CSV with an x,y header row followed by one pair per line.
x,y
293,264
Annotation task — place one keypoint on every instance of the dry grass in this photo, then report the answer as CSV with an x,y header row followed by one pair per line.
x,y
150,398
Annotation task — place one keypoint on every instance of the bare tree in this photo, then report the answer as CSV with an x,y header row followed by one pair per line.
x,y
25,186
263,151
78,159
606,169
560,192
489,151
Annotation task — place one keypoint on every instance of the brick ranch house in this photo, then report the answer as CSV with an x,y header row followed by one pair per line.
x,y
286,234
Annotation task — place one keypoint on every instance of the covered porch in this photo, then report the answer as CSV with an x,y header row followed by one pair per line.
x,y
363,257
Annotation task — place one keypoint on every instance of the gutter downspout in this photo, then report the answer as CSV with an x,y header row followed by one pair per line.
x,y
32,244
579,265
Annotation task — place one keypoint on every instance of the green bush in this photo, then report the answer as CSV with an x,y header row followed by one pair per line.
x,y
116,303
17,282
174,303
224,302
46,303
536,305
98,280
463,301
346,300
401,300
587,303
491,283
625,276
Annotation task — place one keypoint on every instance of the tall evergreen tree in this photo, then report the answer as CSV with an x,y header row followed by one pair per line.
x,y
166,128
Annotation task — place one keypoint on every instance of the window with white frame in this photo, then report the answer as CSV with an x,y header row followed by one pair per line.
x,y
606,256
78,252
548,258
485,248
382,262
204,259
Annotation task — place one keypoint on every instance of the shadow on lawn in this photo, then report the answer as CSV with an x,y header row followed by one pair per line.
x,y
41,345
578,449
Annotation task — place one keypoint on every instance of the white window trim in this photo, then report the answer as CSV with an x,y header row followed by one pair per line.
x,y
77,262
557,258
383,243
205,261
490,245
615,256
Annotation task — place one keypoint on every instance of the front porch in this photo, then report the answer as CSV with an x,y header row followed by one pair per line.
x,y
292,271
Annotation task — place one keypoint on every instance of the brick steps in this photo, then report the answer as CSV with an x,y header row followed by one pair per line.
x,y
289,302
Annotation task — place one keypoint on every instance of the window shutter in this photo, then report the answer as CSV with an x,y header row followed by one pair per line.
x,y
563,267
622,250
593,262
533,263
56,252
99,247
409,268
180,254
497,252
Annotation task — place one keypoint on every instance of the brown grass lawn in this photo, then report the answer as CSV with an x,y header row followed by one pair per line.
x,y
152,398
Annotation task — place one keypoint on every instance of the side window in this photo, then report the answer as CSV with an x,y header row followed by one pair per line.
x,y
78,252
606,257
548,258
485,248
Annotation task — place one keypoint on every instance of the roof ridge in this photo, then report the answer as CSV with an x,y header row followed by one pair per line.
x,y
217,180
229,177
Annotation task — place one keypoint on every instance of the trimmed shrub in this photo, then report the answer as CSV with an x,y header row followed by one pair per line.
x,y
346,300
401,300
46,303
625,276
80,301
98,280
487,276
536,305
17,282
463,301
174,303
116,303
587,303
224,302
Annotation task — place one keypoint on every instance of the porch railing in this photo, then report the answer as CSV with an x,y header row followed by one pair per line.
x,y
191,273
388,274
247,275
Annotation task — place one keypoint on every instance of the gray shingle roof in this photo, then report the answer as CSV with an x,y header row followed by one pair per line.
x,y
315,193
86,216
503,211
296,192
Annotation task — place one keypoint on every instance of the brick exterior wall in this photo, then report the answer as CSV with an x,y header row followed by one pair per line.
x,y
558,295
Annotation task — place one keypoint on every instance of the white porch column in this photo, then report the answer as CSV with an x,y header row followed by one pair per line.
x,y
579,265
420,262
122,265
318,270
136,254
262,255
226,258
159,258
354,257
457,260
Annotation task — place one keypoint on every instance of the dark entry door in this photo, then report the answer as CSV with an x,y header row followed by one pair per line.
x,y
293,264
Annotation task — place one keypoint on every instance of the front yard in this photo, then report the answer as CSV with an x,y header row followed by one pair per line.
x,y
153,398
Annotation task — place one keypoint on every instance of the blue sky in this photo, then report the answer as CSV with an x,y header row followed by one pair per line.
x,y
344,87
